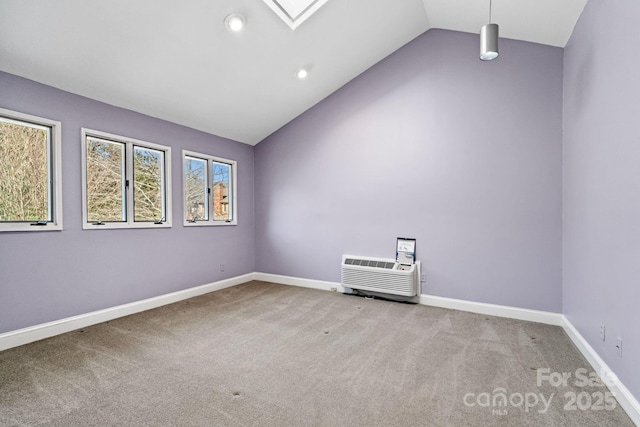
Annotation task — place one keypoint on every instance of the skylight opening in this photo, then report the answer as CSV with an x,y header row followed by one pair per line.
x,y
294,12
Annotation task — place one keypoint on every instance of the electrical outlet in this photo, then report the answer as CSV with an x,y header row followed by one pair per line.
x,y
602,330
619,346
221,267
423,277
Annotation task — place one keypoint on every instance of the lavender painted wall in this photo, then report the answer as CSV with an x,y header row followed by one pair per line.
x,y
602,182
434,144
46,276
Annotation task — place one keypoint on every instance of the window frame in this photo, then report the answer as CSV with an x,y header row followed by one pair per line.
x,y
54,160
233,178
130,144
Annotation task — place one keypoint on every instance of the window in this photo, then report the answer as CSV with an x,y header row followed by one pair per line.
x,y
209,185
30,173
126,183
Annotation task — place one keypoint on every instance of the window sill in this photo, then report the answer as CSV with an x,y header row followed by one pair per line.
x,y
209,224
121,226
26,226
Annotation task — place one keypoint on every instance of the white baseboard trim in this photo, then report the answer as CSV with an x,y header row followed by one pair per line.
x,y
297,281
545,317
45,330
628,402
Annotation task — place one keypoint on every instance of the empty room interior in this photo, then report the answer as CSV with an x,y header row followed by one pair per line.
x,y
319,212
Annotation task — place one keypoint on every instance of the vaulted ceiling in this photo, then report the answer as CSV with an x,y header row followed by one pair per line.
x,y
177,61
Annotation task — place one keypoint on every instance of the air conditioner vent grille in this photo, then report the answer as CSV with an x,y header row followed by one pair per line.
x,y
369,263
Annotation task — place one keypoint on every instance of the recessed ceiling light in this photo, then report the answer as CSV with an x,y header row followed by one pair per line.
x,y
302,73
234,22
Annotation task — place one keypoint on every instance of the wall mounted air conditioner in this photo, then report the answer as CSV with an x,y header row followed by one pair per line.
x,y
380,275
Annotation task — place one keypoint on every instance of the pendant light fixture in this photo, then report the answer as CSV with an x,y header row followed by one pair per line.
x,y
489,40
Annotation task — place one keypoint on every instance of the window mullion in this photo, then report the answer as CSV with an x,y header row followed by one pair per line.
x,y
129,182
209,177
164,187
50,166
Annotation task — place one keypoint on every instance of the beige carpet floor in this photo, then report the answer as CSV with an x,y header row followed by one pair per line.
x,y
262,354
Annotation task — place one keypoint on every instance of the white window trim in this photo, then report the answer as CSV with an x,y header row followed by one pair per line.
x,y
129,142
234,191
56,174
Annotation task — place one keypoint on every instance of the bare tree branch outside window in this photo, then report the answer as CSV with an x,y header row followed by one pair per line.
x,y
105,181
24,172
195,190
148,178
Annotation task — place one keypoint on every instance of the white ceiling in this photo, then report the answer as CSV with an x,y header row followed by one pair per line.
x,y
176,60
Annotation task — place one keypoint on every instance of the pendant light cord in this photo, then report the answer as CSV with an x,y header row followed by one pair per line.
x,y
489,11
